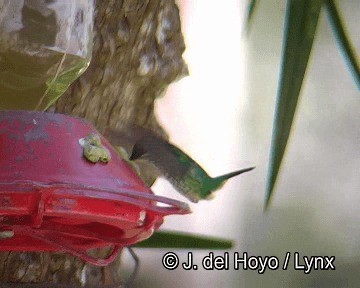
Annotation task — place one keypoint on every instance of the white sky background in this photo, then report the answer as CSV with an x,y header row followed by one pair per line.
x,y
202,111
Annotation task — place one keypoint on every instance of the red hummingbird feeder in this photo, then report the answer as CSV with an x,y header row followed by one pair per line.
x,y
53,199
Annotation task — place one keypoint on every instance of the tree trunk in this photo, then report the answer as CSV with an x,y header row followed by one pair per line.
x,y
137,53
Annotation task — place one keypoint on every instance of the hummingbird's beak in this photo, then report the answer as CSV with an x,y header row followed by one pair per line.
x,y
225,177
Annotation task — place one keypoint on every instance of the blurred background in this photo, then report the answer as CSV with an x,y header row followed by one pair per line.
x,y
222,116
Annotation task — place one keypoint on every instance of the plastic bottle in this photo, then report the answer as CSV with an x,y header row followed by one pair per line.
x,y
44,47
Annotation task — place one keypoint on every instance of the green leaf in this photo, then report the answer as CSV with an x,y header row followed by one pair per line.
x,y
251,10
176,240
300,26
58,85
343,40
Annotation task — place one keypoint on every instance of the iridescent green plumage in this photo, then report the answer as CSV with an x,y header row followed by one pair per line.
x,y
188,177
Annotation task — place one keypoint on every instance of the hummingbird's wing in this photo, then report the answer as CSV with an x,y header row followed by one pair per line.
x,y
146,144
126,137
167,158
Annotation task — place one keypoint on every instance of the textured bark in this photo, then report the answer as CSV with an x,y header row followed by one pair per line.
x,y
137,53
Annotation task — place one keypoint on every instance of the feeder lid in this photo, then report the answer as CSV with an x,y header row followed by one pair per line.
x,y
54,199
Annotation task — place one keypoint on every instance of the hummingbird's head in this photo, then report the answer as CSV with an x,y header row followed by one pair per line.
x,y
209,186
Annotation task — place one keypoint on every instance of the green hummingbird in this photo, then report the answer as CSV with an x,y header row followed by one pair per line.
x,y
187,176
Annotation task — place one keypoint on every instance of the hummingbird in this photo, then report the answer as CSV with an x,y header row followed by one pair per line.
x,y
183,172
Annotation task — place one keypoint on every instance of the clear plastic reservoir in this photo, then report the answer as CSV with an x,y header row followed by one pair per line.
x,y
44,47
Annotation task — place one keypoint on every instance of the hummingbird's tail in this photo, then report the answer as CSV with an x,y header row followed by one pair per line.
x,y
225,177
